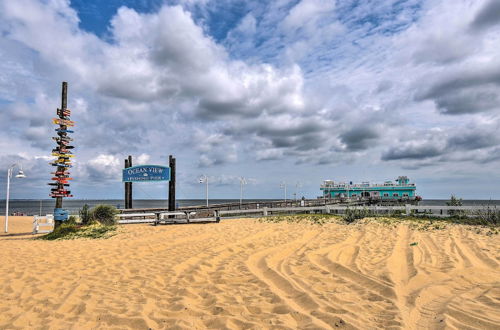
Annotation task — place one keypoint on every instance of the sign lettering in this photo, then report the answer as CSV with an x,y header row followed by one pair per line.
x,y
146,173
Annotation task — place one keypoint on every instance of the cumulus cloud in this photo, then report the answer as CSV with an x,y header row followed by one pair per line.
x,y
466,91
143,159
359,138
488,15
413,151
306,82
474,137
214,149
269,154
102,168
226,180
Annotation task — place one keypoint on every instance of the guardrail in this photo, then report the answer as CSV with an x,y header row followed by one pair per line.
x,y
438,211
258,205
166,217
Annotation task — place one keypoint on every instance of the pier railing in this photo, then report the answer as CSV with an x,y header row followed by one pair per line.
x,y
416,210
319,202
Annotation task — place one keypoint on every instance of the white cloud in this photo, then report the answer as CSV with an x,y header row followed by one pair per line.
x,y
307,12
322,83
226,180
143,159
102,168
269,154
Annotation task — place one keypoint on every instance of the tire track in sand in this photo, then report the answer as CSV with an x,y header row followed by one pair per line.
x,y
369,295
454,290
402,270
295,298
307,276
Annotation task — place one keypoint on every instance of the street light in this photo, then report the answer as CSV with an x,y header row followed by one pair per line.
x,y
283,185
19,175
242,182
204,179
297,186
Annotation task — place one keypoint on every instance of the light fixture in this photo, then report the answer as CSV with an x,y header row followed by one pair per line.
x,y
20,174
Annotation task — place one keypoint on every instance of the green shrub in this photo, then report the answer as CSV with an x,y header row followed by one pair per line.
x,y
72,220
104,214
85,215
455,201
352,215
489,216
397,213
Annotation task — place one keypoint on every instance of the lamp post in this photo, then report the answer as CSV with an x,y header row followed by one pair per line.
x,y
283,185
204,179
9,175
242,182
297,186
324,195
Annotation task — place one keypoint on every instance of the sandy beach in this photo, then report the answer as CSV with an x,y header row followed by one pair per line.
x,y
242,274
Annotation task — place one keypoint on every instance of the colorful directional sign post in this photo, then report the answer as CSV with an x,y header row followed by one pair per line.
x,y
63,153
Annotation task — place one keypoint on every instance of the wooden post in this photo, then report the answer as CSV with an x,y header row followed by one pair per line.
x,y
130,185
171,184
126,187
64,105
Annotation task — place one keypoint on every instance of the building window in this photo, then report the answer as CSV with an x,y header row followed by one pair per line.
x,y
386,194
405,195
395,195
354,195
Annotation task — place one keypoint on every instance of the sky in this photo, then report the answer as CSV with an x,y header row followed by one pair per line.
x,y
274,91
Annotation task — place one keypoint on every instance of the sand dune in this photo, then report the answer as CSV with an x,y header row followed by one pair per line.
x,y
246,274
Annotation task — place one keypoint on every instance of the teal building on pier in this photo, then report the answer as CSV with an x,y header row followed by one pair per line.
x,y
401,189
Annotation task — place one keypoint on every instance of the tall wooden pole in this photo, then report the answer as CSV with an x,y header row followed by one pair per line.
x,y
126,186
171,184
64,106
130,185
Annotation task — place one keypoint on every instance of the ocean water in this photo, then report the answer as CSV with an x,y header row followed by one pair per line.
x,y
32,207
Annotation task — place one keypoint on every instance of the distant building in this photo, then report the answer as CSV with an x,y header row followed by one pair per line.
x,y
400,190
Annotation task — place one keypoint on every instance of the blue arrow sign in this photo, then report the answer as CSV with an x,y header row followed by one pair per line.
x,y
146,173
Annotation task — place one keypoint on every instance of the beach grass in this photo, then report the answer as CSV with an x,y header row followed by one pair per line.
x,y
95,230
423,222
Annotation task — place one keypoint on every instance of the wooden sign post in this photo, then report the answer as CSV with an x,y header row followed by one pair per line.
x,y
171,184
149,173
128,185
63,161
